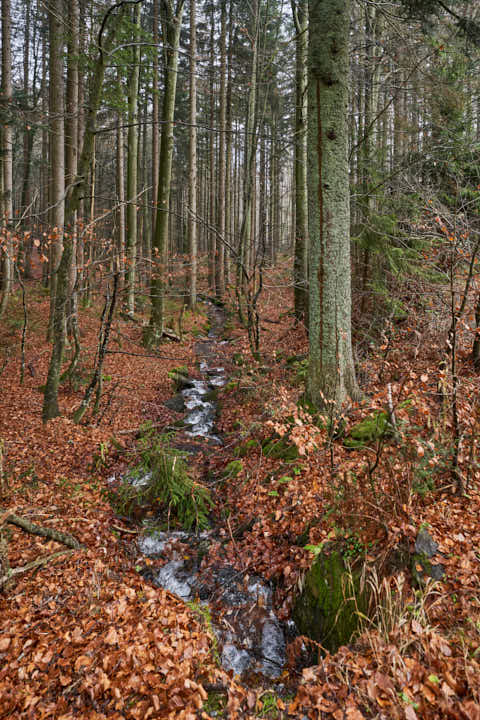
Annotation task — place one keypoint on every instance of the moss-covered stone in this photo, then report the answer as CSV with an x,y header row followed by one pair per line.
x,y
233,469
279,449
369,430
243,450
179,376
327,608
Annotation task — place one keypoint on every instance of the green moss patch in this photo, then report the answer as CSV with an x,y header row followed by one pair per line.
x,y
327,610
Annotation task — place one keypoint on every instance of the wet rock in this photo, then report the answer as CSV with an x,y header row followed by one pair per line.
x,y
177,579
236,659
422,568
425,544
272,648
176,403
156,543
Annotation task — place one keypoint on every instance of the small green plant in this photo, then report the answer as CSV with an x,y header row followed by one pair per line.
x,y
204,614
161,483
354,547
436,459
268,704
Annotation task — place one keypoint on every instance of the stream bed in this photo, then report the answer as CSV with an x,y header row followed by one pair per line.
x,y
248,635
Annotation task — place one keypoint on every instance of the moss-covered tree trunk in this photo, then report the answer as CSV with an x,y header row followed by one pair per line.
x,y
331,376
300,265
171,24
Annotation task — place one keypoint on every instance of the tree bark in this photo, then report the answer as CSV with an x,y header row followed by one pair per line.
x,y
7,159
331,374
300,263
171,23
192,162
132,166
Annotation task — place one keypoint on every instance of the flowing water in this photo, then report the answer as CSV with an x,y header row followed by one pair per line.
x,y
249,635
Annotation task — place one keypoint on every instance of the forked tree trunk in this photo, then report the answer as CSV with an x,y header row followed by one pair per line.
x,y
50,400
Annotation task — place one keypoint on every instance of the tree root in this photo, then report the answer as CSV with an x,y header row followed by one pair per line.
x,y
46,532
31,565
7,573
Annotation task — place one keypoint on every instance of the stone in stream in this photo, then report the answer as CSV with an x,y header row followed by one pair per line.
x,y
154,545
236,659
176,403
272,648
175,578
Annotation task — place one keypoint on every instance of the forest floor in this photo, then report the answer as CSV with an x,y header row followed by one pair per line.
x,y
86,636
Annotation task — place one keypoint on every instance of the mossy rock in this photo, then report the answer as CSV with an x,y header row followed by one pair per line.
x,y
233,469
327,608
244,449
279,449
179,376
369,430
292,359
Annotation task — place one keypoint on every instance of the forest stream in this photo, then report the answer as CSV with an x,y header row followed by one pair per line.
x,y
246,634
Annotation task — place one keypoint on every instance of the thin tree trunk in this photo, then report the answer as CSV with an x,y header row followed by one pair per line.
x,y
300,269
192,162
7,159
220,254
132,167
171,22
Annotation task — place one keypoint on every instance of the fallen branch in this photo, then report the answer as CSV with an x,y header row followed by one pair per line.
x,y
34,529
30,566
125,530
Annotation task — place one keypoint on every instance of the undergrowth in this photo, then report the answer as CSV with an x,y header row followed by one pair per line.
x,y
160,483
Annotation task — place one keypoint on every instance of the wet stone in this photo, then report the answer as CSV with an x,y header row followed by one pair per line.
x,y
236,659
425,544
175,578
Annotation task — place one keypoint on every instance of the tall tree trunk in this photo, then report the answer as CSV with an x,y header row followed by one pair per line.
x,y
212,245
249,154
331,373
7,159
121,224
50,401
192,162
28,136
155,108
132,166
229,212
171,24
57,148
300,269
220,254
